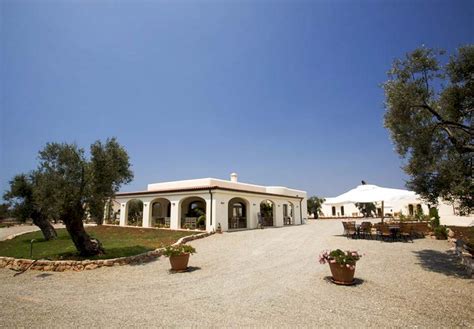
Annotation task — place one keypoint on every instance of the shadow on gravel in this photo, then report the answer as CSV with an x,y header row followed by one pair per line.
x,y
189,269
441,262
357,282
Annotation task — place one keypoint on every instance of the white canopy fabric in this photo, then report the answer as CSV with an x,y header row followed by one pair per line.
x,y
372,193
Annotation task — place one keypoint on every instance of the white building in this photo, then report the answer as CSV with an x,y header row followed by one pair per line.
x,y
408,204
225,204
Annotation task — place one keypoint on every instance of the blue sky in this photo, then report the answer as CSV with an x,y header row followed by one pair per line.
x,y
281,92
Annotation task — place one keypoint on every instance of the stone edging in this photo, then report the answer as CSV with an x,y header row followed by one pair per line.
x,y
19,264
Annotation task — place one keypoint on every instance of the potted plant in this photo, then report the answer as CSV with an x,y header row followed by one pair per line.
x,y
341,263
179,256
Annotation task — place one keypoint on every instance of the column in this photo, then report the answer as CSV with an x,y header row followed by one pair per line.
x,y
123,214
146,214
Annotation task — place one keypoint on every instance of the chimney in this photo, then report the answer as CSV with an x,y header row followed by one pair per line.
x,y
233,177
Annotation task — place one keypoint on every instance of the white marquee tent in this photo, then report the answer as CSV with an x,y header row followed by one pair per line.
x,y
373,193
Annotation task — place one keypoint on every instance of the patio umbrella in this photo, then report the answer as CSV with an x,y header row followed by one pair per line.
x,y
372,193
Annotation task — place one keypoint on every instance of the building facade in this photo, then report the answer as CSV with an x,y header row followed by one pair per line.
x,y
210,204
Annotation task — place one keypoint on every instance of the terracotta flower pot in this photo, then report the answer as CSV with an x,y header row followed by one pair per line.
x,y
179,263
342,273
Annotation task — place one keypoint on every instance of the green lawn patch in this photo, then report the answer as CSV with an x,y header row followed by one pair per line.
x,y
117,242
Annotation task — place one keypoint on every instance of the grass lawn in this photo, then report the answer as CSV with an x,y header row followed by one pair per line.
x,y
117,242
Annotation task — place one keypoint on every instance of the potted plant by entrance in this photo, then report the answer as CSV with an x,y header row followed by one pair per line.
x,y
179,256
341,263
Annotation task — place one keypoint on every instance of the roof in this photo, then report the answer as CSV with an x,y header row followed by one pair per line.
x,y
372,193
206,188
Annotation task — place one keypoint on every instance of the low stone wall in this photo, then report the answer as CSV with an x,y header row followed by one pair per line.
x,y
72,265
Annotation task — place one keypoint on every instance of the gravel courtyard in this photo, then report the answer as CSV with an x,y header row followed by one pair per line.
x,y
253,278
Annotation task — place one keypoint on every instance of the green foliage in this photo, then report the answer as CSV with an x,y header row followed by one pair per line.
x,y
20,197
367,209
66,183
441,232
182,249
4,210
349,257
201,221
266,208
135,211
314,205
434,217
429,115
108,169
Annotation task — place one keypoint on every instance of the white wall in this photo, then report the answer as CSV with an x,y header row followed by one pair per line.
x,y
217,211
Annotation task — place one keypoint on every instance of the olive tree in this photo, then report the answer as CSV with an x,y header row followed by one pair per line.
x,y
21,199
314,205
429,109
67,181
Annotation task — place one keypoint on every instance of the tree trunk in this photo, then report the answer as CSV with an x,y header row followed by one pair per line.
x,y
86,245
45,226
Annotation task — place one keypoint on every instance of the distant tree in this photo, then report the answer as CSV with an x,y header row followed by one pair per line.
x,y
429,111
314,205
135,211
21,199
266,208
109,168
4,210
367,209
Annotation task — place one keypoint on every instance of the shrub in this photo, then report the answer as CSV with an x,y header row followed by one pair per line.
x,y
182,249
434,216
441,232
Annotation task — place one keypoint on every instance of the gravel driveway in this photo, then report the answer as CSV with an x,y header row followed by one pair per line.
x,y
253,278
7,232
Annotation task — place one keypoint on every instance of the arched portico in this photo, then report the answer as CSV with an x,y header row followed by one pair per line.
x,y
238,213
160,212
268,212
134,212
193,213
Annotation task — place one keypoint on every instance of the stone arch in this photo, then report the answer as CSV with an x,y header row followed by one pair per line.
x,y
268,212
134,215
160,212
238,211
192,213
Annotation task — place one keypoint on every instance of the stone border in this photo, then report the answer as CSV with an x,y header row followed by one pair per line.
x,y
19,264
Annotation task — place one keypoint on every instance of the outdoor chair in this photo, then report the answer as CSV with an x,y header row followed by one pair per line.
x,y
344,225
365,230
406,231
385,232
351,229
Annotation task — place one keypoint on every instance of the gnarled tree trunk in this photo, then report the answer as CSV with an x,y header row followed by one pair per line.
x,y
45,226
86,245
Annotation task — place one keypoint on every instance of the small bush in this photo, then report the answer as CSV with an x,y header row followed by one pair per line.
x,y
441,232
434,216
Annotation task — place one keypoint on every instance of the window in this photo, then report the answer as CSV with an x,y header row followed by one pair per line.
x,y
334,211
285,210
342,210
410,209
